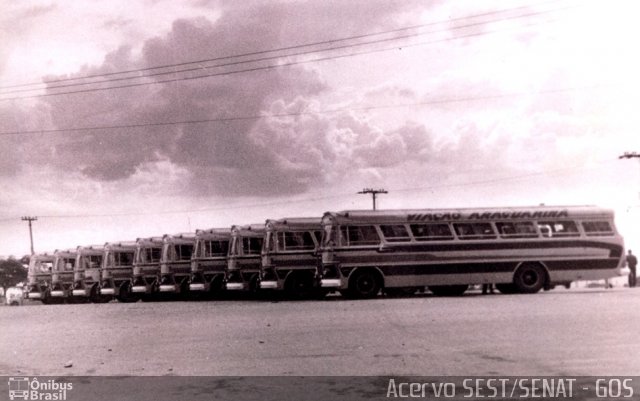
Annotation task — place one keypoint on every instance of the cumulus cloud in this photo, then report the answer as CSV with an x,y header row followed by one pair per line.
x,y
241,157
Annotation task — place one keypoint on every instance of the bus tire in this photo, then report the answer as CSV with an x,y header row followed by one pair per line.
x,y
448,290
125,295
364,283
254,287
217,288
299,285
529,278
96,297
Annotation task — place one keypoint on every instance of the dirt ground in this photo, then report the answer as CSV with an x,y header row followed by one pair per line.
x,y
572,332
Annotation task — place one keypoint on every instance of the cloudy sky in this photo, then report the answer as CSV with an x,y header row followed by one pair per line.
x,y
124,118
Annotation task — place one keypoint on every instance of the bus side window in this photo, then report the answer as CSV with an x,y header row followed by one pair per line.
x,y
474,231
562,228
394,232
431,232
252,246
524,229
360,235
595,228
297,240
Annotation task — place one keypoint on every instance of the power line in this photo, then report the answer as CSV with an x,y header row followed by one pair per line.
x,y
274,66
314,199
297,46
302,113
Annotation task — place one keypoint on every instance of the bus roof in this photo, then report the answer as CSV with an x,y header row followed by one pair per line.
x,y
181,238
85,249
249,230
42,256
466,214
149,241
120,246
293,223
65,252
213,233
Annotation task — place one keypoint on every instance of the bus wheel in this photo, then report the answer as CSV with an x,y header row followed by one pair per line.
x,y
299,286
365,283
216,288
254,287
507,288
96,297
448,290
125,295
529,278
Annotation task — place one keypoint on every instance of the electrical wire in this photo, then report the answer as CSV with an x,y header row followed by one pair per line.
x,y
291,47
268,67
315,199
303,113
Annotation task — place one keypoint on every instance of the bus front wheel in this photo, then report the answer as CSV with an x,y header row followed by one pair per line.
x,y
299,286
365,283
529,278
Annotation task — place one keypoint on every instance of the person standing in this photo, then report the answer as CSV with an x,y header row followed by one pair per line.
x,y
487,289
632,262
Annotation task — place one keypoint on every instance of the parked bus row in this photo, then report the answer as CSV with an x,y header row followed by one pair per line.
x,y
358,253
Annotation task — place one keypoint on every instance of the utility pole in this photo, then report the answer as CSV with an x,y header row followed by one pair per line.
x,y
30,219
629,155
373,193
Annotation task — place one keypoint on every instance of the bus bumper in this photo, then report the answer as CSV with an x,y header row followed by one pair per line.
x,y
330,283
197,287
57,293
235,286
139,289
168,288
269,285
107,291
79,293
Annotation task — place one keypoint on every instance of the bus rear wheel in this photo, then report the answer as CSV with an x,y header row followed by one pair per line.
x,y
448,290
365,283
529,278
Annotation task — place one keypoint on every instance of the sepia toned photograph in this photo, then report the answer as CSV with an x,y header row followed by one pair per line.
x,y
331,200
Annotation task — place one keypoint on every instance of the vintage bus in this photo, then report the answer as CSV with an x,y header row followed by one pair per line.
x,y
117,270
175,263
62,275
146,266
87,273
289,259
243,263
209,261
521,249
39,277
